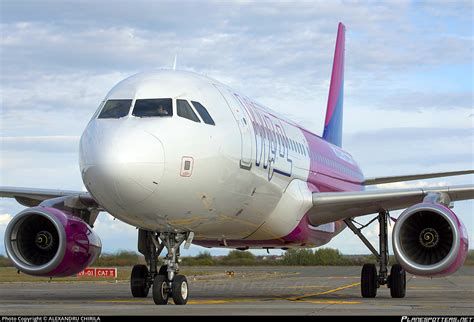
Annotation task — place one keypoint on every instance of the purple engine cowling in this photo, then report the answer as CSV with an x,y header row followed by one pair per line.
x,y
46,241
430,240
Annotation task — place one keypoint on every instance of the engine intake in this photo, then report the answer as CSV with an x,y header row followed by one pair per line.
x,y
430,240
50,242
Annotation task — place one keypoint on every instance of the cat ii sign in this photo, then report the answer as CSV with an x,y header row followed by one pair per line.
x,y
106,272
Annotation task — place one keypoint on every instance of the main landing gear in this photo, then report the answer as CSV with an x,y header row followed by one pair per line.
x,y
370,279
164,280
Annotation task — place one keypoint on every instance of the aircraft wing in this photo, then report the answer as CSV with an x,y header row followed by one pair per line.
x,y
31,197
332,206
381,180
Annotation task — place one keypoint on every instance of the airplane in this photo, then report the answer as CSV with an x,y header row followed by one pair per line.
x,y
188,160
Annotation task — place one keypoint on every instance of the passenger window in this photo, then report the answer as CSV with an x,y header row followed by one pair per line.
x,y
153,107
115,109
183,109
204,113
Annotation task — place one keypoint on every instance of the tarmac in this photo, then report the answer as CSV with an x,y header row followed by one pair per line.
x,y
250,291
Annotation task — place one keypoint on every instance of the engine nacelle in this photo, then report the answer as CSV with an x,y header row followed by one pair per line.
x,y
46,241
430,240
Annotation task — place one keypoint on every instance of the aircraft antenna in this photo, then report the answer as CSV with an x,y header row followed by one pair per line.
x,y
175,61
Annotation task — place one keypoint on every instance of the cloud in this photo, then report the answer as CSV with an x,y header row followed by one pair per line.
x,y
412,150
290,52
286,36
411,184
419,101
5,219
412,133
41,169
51,104
54,144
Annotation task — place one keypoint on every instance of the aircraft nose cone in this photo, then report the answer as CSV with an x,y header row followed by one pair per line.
x,y
122,167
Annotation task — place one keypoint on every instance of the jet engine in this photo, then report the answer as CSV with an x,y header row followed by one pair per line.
x,y
47,241
430,240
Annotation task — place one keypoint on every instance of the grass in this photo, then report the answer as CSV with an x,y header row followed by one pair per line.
x,y
125,260
470,259
9,275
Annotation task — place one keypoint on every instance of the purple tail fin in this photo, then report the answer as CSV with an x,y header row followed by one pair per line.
x,y
333,124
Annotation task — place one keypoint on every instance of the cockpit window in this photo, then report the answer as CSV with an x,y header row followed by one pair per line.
x,y
114,109
204,113
183,109
153,107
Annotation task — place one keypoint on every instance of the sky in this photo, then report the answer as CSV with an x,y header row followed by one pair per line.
x,y
408,105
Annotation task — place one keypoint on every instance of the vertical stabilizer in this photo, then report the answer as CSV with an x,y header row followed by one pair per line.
x,y
333,123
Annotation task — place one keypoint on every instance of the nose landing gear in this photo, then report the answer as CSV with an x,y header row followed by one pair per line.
x,y
165,281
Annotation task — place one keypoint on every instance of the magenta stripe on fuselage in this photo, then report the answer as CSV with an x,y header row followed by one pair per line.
x,y
331,168
324,178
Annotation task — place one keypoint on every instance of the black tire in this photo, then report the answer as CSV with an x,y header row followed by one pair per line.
x,y
163,270
138,281
398,281
180,290
368,281
160,290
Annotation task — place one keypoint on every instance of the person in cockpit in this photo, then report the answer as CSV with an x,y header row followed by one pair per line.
x,y
162,111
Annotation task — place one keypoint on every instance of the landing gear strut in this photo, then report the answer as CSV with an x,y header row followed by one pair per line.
x,y
370,279
164,280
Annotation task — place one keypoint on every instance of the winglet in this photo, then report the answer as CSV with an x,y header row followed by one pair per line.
x,y
333,123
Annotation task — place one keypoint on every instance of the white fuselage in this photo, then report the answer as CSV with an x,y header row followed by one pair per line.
x,y
234,180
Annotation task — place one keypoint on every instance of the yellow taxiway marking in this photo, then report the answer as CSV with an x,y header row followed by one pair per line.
x,y
303,286
303,299
298,298
201,302
228,301
425,288
329,302
224,301
122,301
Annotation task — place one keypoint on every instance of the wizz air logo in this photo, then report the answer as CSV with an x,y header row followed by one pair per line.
x,y
271,141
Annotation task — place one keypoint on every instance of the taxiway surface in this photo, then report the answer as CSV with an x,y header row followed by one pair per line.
x,y
251,291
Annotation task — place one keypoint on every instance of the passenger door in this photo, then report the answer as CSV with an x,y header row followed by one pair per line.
x,y
243,120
